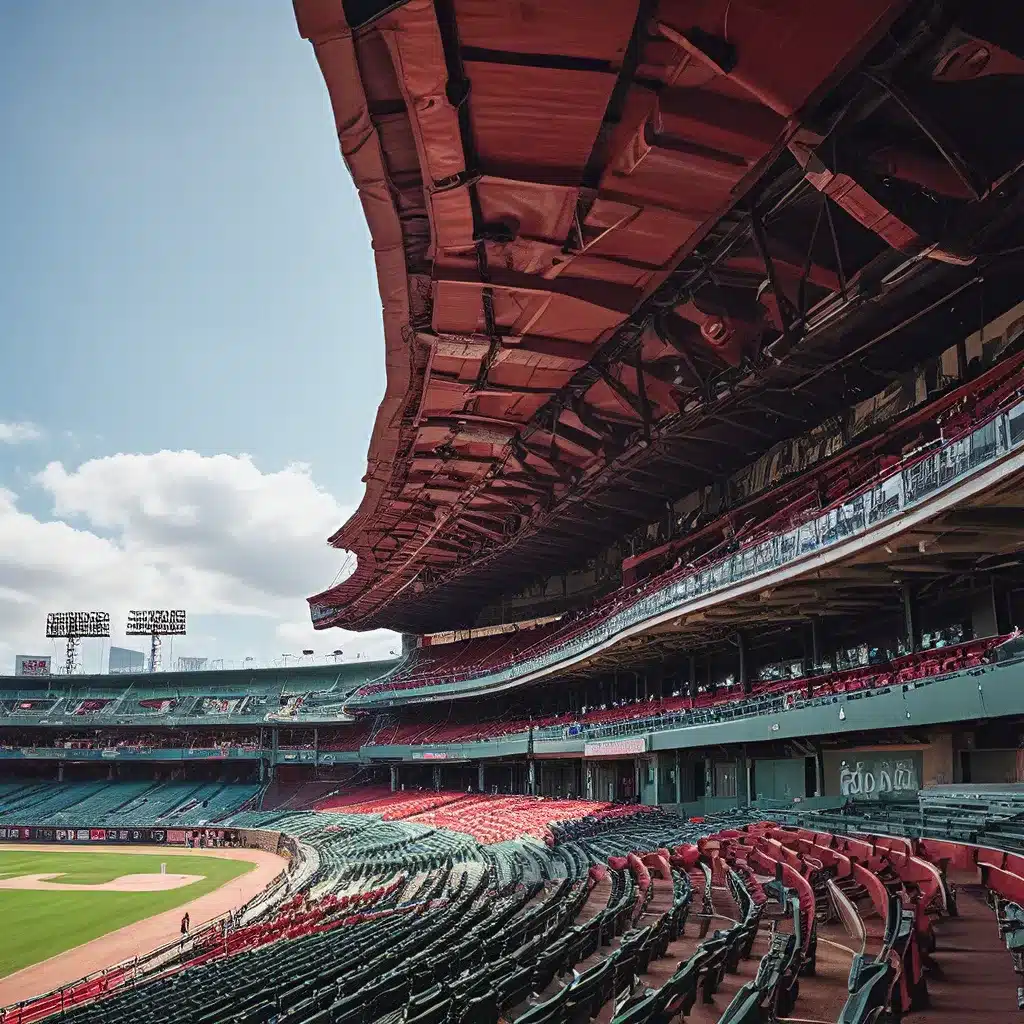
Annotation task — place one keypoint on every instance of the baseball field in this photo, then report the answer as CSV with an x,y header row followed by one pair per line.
x,y
57,900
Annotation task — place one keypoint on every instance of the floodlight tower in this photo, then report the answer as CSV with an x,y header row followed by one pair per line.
x,y
155,625
73,626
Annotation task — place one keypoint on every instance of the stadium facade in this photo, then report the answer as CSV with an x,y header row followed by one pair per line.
x,y
696,477
697,493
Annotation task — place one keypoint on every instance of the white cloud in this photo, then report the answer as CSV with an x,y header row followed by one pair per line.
x,y
295,637
214,535
18,433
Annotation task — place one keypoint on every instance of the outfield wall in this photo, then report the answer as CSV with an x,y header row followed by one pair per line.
x,y
253,839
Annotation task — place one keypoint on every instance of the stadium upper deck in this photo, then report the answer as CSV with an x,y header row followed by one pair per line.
x,y
213,697
626,248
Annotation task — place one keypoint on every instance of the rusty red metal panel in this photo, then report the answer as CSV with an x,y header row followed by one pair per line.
x,y
530,173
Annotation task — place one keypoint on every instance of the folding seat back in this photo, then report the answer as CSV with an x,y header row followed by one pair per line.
x,y
625,968
481,1009
261,1013
584,997
514,988
870,986
659,940
734,940
292,996
351,1009
357,980
744,1007
551,1011
437,1013
710,963
303,1009
323,1017
642,1011
423,999
388,994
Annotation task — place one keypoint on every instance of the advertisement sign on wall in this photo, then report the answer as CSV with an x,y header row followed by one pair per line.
x,y
616,748
29,834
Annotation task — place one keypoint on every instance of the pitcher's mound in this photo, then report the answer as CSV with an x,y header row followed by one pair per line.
x,y
126,883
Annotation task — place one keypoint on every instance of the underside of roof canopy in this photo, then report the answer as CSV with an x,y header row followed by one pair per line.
x,y
623,247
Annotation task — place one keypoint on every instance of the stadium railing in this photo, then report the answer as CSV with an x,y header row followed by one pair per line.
x,y
899,491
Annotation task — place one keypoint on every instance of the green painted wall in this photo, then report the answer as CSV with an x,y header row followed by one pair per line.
x,y
779,779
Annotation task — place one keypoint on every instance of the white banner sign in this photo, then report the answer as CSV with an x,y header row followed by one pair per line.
x,y
32,665
616,748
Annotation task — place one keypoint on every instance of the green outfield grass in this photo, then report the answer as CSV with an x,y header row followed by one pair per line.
x,y
35,925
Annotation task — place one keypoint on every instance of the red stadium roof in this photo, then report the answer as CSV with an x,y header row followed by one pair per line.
x,y
600,227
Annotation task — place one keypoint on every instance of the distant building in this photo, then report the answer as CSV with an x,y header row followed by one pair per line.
x,y
191,664
124,660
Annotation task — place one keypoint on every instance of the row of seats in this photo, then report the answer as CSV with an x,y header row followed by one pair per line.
x,y
914,881
973,814
669,712
297,917
493,819
392,806
647,715
804,500
903,669
852,878
488,819
119,805
456,943
656,713
830,480
409,922
267,702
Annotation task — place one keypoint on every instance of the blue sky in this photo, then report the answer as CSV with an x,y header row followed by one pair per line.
x,y
184,268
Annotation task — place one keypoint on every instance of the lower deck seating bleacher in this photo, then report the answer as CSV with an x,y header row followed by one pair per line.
x,y
489,819
628,916
117,805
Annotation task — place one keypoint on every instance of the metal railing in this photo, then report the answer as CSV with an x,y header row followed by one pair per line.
x,y
884,500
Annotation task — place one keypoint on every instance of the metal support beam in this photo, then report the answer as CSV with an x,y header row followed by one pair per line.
x,y
909,617
641,388
786,311
972,181
611,298
741,646
625,396
590,444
